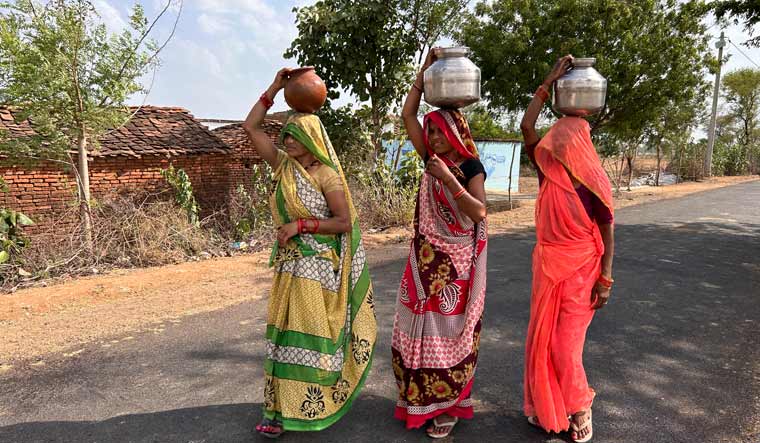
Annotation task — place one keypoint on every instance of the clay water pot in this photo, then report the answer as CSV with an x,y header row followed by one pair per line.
x,y
305,91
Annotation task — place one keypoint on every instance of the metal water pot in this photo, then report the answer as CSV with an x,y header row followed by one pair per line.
x,y
453,81
580,92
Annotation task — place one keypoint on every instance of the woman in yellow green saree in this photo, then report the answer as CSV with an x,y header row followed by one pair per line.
x,y
321,325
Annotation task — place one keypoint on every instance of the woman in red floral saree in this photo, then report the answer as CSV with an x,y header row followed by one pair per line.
x,y
440,300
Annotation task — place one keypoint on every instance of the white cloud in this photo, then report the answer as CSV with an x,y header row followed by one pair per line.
x,y
213,24
110,16
236,7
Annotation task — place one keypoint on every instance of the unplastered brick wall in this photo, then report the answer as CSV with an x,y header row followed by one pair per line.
x,y
46,191
244,154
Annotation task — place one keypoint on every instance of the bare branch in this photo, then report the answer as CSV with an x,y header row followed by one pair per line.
x,y
142,38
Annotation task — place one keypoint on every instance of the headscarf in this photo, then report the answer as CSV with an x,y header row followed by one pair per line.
x,y
569,142
455,128
310,132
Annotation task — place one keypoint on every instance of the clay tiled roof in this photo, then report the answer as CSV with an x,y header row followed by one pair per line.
x,y
163,131
235,136
23,129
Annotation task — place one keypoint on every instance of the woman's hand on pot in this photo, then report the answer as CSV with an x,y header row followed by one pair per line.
x,y
560,68
429,59
281,78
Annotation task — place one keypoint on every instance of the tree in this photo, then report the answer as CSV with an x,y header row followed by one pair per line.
x,y
484,125
664,56
749,11
671,130
741,90
63,71
367,47
432,19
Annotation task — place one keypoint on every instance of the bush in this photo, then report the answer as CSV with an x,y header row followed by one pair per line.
x,y
249,212
382,200
128,231
729,159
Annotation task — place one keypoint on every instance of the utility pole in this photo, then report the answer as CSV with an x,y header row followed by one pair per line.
x,y
711,130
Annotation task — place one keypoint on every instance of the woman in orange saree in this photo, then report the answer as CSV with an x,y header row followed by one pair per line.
x,y
572,267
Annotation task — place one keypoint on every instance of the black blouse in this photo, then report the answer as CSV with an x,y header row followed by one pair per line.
x,y
467,170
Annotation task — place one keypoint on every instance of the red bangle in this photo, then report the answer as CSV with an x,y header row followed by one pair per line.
x,y
414,85
268,102
543,93
604,281
459,194
308,226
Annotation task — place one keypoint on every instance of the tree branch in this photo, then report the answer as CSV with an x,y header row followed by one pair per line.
x,y
142,39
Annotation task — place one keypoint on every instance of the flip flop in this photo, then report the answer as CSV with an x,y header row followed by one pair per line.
x,y
447,427
587,424
270,428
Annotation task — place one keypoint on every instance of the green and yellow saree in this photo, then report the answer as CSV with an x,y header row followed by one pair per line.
x,y
321,323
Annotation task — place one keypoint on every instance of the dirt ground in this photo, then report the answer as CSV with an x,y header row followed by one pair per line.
x,y
38,322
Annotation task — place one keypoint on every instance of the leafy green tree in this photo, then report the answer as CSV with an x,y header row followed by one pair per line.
x,y
350,135
432,19
741,90
61,69
650,51
367,47
748,11
484,125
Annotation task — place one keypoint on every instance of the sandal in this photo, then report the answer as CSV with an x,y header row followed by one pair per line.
x,y
270,428
442,429
585,425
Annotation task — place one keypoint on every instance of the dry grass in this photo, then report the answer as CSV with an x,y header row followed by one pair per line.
x,y
127,231
382,205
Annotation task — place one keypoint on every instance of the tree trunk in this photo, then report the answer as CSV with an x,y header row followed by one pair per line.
x,y
631,159
377,133
83,185
659,162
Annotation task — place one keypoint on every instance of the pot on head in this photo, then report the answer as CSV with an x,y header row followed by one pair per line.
x,y
581,91
305,91
453,81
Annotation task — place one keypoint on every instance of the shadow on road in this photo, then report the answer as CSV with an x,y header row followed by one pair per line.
x,y
673,357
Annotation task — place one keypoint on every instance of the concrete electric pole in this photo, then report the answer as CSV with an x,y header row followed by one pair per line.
x,y
711,130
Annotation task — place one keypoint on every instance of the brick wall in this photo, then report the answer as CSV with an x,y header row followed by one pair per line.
x,y
46,191
244,154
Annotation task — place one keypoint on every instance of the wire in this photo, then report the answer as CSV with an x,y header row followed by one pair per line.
x,y
742,53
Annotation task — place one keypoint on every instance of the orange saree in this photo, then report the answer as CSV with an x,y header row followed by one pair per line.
x,y
566,265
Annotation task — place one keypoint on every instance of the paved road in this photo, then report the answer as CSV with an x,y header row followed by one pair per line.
x,y
675,356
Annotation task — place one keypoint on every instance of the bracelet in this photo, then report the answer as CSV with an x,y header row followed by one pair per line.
x,y
308,225
414,85
459,194
604,281
268,102
543,93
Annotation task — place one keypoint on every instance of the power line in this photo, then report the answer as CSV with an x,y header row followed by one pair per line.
x,y
742,53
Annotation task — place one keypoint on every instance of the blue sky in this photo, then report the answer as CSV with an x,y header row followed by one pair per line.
x,y
226,52
223,55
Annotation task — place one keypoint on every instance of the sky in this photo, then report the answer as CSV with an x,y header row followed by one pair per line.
x,y
225,52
